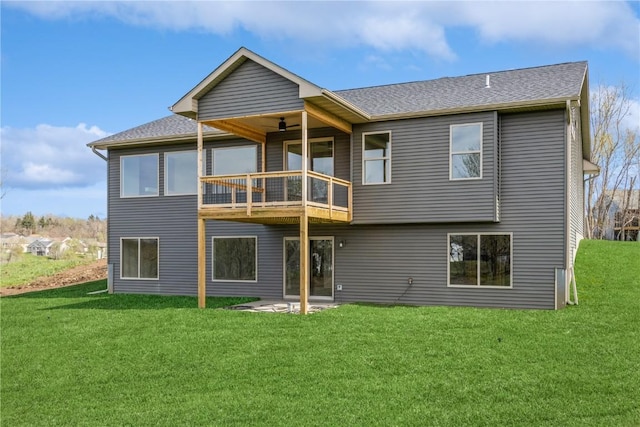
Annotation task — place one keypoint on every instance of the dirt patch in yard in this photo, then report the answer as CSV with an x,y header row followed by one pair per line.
x,y
80,274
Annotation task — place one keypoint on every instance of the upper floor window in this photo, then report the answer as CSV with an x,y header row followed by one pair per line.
x,y
235,160
466,151
180,172
139,175
376,158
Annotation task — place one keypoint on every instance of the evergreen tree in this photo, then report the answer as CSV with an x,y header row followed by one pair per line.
x,y
28,222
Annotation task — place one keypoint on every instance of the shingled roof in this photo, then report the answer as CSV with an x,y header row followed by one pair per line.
x,y
560,81
467,93
173,126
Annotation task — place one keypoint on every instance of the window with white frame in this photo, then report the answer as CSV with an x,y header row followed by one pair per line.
x,y
180,173
376,158
235,259
139,175
235,160
139,257
466,151
480,260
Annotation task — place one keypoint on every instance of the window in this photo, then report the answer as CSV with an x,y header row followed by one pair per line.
x,y
376,158
235,160
139,258
139,175
320,160
466,151
235,259
480,260
180,173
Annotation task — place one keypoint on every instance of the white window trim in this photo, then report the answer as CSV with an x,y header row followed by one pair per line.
x,y
287,143
158,261
213,156
333,269
479,234
364,161
166,174
213,279
122,196
452,153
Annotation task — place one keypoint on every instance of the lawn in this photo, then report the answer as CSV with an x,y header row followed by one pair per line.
x,y
73,359
29,267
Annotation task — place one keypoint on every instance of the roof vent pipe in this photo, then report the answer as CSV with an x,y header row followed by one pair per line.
x,y
488,82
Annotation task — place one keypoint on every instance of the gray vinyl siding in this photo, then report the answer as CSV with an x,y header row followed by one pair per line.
x,y
173,219
250,89
420,190
269,280
377,259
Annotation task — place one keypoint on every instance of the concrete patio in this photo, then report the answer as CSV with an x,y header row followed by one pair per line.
x,y
280,306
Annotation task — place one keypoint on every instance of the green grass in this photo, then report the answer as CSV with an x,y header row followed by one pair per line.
x,y
73,359
29,267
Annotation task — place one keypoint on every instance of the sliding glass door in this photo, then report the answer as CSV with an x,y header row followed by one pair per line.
x,y
320,267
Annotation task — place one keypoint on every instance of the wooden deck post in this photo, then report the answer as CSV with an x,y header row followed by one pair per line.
x,y
201,166
304,223
202,265
304,264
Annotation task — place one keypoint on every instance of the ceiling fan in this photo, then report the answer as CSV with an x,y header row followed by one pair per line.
x,y
282,126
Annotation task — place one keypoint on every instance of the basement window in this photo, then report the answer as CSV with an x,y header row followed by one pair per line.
x,y
139,258
234,259
480,260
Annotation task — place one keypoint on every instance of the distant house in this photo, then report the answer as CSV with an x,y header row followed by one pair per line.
x,y
456,191
623,221
44,246
8,241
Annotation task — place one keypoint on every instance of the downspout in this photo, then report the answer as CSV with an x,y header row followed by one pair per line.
x,y
109,272
568,268
99,154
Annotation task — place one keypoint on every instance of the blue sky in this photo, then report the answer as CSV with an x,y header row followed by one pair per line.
x,y
74,72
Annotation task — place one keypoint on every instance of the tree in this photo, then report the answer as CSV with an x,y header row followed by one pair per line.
x,y
14,253
28,223
56,251
616,150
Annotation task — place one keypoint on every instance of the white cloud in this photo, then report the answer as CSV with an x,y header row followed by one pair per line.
x,y
627,108
51,157
632,120
604,24
385,26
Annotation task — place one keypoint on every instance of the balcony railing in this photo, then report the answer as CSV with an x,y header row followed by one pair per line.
x,y
276,190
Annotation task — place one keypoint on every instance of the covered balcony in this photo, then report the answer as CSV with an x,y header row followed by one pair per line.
x,y
275,198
